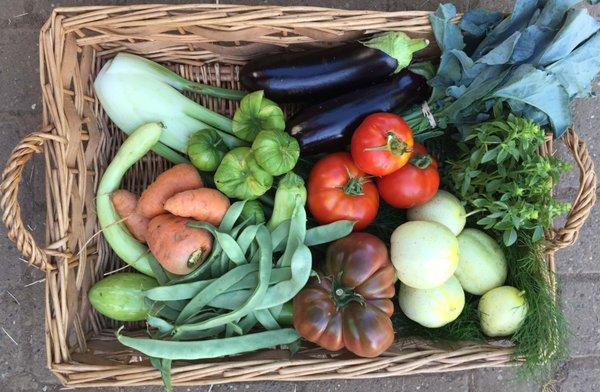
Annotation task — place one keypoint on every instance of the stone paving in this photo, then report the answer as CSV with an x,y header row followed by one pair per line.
x,y
23,363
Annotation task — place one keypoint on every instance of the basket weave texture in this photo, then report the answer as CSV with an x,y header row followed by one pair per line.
x,y
205,43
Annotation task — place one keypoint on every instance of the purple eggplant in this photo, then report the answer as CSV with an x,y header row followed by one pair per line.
x,y
328,126
323,73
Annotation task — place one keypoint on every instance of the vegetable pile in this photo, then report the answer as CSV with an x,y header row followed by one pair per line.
x,y
224,241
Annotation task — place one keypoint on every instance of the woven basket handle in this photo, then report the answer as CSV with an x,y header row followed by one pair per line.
x,y
586,195
9,190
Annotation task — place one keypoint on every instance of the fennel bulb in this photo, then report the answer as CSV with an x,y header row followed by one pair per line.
x,y
134,91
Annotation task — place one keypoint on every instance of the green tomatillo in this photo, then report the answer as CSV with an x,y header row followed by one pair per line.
x,y
206,149
239,176
257,113
276,151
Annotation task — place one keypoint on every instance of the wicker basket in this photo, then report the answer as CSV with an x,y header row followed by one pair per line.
x,y
204,43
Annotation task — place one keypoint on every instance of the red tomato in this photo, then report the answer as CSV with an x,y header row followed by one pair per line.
x,y
382,144
338,190
412,185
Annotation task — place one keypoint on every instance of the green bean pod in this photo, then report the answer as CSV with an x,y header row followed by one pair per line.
x,y
185,291
116,234
266,319
257,295
192,350
227,242
217,287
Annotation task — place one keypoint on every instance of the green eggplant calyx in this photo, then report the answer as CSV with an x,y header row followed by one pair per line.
x,y
397,45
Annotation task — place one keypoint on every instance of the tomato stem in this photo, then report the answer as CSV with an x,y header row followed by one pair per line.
x,y
354,186
342,295
394,144
422,161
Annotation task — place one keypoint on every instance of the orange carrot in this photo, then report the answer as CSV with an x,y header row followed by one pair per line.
x,y
179,178
125,204
204,204
178,248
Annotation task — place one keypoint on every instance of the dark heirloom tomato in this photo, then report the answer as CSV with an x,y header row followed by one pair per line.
x,y
413,184
349,304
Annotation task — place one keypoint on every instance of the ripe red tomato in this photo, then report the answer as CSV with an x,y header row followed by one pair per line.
x,y
338,190
381,144
412,185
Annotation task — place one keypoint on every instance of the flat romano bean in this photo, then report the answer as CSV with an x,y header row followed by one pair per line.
x,y
162,325
328,233
231,216
314,236
216,268
203,334
237,293
214,348
276,311
296,235
205,314
279,293
246,237
164,366
177,292
228,244
279,235
202,271
248,322
224,263
164,312
282,292
266,319
232,329
189,290
256,297
215,288
177,305
159,273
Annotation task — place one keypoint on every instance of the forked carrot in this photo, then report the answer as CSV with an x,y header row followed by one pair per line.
x,y
179,178
204,204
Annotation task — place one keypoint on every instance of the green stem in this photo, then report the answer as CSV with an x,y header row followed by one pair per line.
x,y
474,212
209,117
394,144
169,154
342,295
213,91
354,186
231,141
422,161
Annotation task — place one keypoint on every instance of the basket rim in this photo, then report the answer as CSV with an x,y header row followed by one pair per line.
x,y
54,43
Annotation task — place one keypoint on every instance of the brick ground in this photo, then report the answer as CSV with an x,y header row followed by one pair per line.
x,y
22,367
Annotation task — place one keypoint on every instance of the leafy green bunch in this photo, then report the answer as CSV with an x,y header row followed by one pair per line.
x,y
503,178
